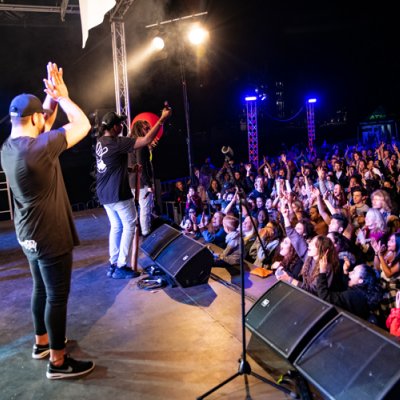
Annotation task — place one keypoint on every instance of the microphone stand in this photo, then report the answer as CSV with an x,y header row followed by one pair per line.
x,y
244,366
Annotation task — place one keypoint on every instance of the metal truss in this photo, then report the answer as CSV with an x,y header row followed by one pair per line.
x,y
252,131
120,60
310,127
65,8
118,44
120,71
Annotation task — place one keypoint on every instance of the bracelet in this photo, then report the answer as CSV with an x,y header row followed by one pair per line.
x,y
290,280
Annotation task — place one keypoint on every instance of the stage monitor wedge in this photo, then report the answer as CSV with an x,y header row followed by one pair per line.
x,y
155,243
287,318
188,262
352,360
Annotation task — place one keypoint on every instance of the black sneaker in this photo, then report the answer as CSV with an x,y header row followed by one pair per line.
x,y
70,368
40,351
111,270
124,273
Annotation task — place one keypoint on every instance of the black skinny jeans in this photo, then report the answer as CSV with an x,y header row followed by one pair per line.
x,y
51,286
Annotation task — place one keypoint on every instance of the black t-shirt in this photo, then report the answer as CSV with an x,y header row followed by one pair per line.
x,y
112,168
42,215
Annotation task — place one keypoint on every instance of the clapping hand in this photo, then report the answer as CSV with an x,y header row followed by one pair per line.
x,y
54,84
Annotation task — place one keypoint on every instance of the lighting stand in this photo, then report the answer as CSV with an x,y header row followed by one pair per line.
x,y
244,366
186,108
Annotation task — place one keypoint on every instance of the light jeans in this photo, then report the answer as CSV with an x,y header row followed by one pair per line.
x,y
145,209
122,216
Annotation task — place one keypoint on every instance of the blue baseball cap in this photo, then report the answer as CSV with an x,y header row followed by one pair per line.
x,y
25,104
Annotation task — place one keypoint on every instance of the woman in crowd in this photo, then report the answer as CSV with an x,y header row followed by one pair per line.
x,y
214,231
189,222
320,250
381,201
305,229
290,261
264,254
262,218
311,255
387,262
338,197
214,191
374,229
193,201
249,227
296,210
362,296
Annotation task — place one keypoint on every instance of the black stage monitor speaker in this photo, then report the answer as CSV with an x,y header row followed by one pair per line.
x,y
350,359
187,261
158,240
287,318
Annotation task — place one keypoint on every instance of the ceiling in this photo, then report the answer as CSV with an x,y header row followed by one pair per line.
x,y
38,13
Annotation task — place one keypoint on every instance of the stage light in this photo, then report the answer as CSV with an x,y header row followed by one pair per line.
x,y
312,100
197,35
157,44
250,98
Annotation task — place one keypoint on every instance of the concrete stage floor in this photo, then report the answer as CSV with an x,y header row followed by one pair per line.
x,y
173,343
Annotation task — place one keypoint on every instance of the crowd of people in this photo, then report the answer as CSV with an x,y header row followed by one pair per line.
x,y
328,224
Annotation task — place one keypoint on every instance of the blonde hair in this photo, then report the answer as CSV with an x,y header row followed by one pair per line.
x,y
230,222
387,202
377,216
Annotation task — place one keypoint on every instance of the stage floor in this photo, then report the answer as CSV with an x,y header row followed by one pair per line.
x,y
172,343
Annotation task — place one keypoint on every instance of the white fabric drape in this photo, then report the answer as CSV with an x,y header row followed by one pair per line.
x,y
92,14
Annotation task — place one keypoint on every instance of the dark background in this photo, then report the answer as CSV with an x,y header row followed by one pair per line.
x,y
345,55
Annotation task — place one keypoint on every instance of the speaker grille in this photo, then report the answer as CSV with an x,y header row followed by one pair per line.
x,y
158,240
286,318
348,360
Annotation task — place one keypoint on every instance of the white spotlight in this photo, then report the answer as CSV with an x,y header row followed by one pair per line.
x,y
197,35
157,44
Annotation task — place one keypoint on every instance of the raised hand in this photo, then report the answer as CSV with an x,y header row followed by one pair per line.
x,y
284,209
315,191
54,84
165,114
346,265
320,172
